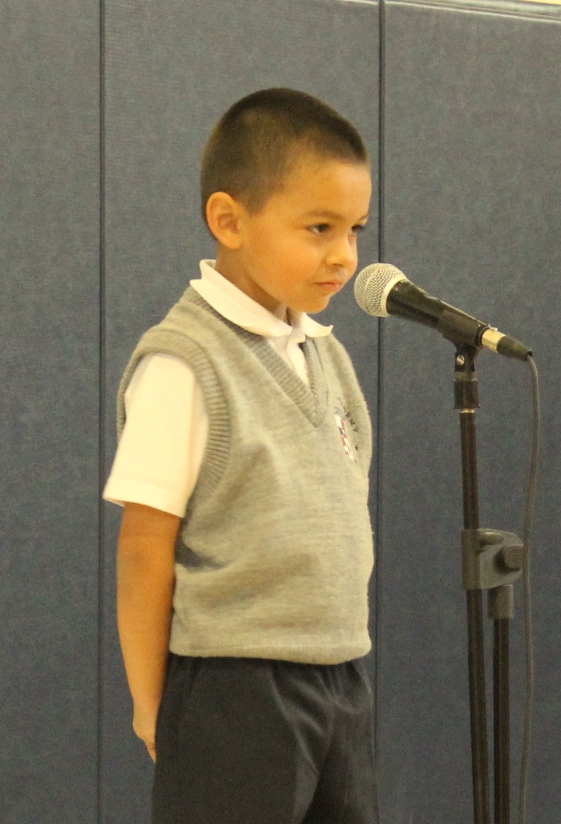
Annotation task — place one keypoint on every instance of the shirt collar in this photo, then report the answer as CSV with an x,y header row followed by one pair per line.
x,y
239,308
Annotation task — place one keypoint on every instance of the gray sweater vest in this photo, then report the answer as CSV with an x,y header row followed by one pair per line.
x,y
275,549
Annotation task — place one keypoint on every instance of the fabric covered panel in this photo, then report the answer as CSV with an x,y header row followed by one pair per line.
x,y
172,68
49,411
471,179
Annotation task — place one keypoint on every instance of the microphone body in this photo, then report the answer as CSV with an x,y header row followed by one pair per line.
x,y
382,290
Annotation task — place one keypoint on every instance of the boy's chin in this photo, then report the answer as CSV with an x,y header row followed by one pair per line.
x,y
317,306
310,304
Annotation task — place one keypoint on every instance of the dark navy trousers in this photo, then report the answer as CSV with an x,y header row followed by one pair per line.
x,y
255,741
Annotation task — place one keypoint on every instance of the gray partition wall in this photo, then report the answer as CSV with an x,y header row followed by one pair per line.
x,y
471,170
49,411
105,110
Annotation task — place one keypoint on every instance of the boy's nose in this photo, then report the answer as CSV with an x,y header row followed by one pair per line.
x,y
343,254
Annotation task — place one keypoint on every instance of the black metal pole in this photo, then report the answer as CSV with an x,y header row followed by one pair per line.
x,y
501,723
466,400
501,610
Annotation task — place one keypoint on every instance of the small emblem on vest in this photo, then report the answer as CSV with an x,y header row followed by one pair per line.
x,y
341,426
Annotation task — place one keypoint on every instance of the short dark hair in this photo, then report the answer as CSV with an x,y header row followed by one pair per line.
x,y
255,143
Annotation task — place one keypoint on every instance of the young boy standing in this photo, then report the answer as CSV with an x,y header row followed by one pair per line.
x,y
246,548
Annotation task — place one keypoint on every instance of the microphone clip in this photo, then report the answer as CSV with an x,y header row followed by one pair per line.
x,y
466,392
490,558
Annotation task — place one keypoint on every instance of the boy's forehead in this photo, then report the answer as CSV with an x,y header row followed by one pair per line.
x,y
311,165
319,185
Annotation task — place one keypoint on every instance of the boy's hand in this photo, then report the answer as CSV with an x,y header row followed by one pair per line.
x,y
145,582
144,725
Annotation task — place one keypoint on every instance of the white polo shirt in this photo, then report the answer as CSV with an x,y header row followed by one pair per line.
x,y
162,445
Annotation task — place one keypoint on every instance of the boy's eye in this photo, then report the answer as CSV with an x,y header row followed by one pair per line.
x,y
360,227
322,228
319,228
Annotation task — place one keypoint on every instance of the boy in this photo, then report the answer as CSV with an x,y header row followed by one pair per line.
x,y
243,466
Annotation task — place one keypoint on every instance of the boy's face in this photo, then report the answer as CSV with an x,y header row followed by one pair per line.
x,y
301,247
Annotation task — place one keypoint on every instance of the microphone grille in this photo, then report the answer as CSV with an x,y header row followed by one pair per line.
x,y
372,286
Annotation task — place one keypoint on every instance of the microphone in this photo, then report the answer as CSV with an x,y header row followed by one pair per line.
x,y
382,289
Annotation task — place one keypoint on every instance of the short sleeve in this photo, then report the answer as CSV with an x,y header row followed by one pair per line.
x,y
161,448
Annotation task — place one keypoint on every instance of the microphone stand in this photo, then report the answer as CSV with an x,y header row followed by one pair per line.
x,y
491,560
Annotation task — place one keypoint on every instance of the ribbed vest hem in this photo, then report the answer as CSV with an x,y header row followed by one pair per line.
x,y
305,653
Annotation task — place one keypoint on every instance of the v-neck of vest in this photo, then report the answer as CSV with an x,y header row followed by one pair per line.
x,y
312,399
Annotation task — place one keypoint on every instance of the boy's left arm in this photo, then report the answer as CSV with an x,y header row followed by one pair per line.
x,y
145,583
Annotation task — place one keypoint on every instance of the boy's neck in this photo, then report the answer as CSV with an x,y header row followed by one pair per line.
x,y
230,267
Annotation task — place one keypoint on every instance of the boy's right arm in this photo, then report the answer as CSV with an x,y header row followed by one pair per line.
x,y
145,582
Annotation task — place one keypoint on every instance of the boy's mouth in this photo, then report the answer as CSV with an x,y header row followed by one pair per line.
x,y
331,286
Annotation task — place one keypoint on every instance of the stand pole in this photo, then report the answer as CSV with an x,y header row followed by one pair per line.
x,y
466,400
501,725
501,609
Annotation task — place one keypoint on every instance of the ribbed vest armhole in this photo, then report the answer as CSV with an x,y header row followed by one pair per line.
x,y
174,343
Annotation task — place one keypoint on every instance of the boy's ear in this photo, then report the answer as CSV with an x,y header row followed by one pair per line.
x,y
223,215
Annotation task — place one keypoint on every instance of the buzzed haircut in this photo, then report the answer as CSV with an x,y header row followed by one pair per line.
x,y
256,143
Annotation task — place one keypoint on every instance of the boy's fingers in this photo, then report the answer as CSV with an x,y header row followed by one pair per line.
x,y
150,746
147,736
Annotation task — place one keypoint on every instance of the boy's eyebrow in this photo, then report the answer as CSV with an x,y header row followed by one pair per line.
x,y
329,214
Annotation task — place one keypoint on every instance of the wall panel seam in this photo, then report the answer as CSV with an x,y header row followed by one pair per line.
x,y
101,416
379,395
